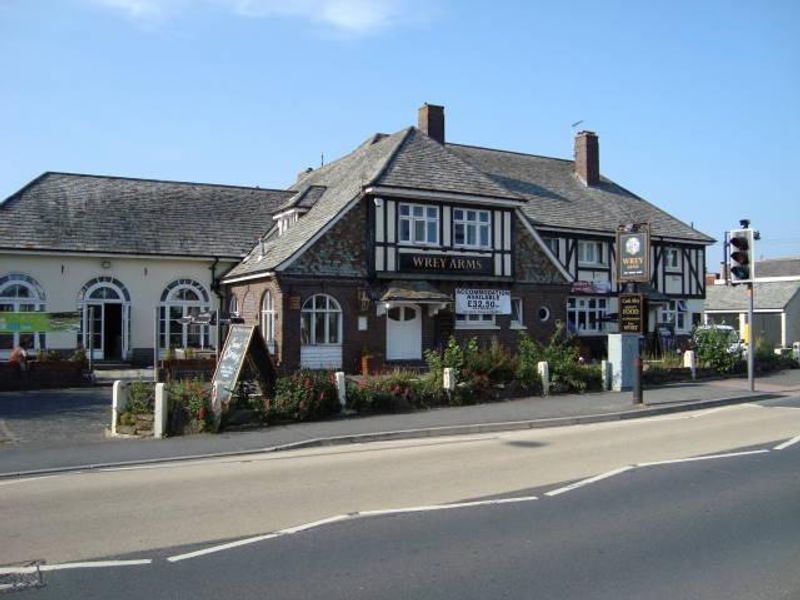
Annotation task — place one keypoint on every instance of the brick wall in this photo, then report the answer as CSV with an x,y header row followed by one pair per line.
x,y
531,263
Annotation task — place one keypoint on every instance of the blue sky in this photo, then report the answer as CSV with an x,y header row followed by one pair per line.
x,y
697,104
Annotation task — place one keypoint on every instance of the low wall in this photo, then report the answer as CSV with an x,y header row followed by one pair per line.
x,y
50,374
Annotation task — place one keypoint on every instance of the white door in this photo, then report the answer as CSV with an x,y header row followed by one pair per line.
x,y
404,333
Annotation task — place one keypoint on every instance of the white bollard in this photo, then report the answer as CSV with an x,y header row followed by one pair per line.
x,y
544,373
605,374
119,403
341,388
160,417
449,379
690,362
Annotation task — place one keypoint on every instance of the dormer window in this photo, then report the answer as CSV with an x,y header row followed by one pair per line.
x,y
419,224
286,220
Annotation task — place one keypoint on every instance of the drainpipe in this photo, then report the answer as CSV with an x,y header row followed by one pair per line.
x,y
215,287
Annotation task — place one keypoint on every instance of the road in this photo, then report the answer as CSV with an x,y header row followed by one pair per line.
x,y
722,527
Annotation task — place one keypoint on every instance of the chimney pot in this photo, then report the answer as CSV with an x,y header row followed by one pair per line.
x,y
587,157
431,121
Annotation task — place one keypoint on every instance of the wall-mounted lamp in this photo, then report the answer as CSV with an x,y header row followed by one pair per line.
x,y
363,299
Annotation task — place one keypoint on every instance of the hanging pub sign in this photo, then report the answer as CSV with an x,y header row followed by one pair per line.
x,y
631,313
478,301
633,256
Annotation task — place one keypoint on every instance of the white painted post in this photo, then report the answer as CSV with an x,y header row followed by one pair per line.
x,y
544,373
341,388
160,417
119,402
605,374
690,361
449,379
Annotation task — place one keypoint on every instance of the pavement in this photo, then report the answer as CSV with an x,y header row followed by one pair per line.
x,y
63,430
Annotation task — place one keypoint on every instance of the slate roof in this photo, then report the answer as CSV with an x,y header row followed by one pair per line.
x,y
118,215
557,198
343,181
773,295
778,267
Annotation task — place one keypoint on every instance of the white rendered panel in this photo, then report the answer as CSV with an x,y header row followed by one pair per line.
x,y
391,228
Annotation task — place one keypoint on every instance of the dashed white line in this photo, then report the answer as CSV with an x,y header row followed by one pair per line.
x,y
396,511
583,482
696,458
96,564
788,443
221,547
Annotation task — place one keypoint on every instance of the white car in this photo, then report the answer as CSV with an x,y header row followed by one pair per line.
x,y
736,344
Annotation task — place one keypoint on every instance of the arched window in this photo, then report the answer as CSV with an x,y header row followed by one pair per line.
x,y
268,317
321,321
21,293
182,299
233,306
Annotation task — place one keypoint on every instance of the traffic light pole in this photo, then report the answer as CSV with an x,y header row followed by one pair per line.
x,y
751,351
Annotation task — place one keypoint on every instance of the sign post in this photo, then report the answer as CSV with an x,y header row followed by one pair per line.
x,y
633,266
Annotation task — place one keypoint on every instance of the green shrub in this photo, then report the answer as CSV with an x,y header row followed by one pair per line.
x,y
394,392
561,355
715,350
305,396
141,397
190,406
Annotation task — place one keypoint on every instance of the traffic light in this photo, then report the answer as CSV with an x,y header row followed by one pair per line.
x,y
740,257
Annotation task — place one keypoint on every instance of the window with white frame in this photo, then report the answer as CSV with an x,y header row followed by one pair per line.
x,y
183,298
585,315
474,321
516,312
21,293
321,321
675,312
471,228
672,259
418,224
591,252
268,317
233,306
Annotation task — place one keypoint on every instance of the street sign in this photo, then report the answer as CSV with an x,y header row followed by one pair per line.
x,y
631,313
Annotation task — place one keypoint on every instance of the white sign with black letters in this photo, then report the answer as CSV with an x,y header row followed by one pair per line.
x,y
479,301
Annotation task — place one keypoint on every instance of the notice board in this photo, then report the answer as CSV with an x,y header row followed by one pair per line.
x,y
243,346
631,313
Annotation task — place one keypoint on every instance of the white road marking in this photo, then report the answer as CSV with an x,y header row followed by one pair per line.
x,y
583,482
221,547
433,507
95,564
787,443
313,524
26,479
696,458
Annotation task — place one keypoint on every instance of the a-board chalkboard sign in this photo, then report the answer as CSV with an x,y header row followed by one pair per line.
x,y
244,344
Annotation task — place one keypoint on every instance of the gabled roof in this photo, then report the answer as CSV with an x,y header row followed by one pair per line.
x,y
778,267
117,215
557,198
343,181
766,296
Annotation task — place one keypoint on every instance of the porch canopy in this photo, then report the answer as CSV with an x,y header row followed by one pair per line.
x,y
413,292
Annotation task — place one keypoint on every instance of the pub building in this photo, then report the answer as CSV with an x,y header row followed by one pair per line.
x,y
393,248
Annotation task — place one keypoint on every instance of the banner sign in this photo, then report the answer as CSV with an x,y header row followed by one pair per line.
x,y
631,313
446,264
482,302
39,322
633,256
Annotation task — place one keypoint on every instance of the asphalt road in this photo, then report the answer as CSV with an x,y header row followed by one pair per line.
x,y
723,528
726,527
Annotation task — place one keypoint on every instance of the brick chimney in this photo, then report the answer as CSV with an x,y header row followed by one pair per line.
x,y
431,121
587,157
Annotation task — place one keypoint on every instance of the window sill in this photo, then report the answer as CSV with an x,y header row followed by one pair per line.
x,y
517,326
475,326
